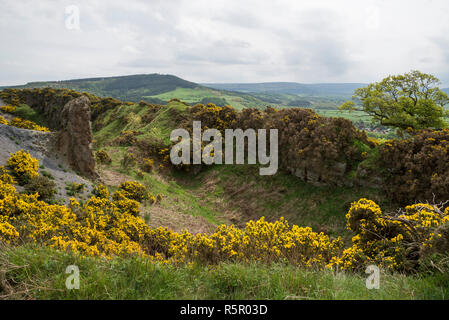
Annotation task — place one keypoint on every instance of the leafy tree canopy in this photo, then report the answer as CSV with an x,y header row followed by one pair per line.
x,y
410,100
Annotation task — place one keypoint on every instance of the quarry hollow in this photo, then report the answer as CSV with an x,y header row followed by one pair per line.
x,y
212,153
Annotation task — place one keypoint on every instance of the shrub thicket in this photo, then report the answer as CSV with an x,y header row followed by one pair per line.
x,y
101,191
23,166
101,227
43,186
417,168
126,138
327,148
134,190
103,157
129,160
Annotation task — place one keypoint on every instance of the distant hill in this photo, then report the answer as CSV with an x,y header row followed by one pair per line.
x,y
159,89
126,88
321,89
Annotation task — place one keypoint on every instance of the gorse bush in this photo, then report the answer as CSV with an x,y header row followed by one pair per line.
x,y
27,124
102,227
8,109
3,121
315,148
74,188
134,190
103,157
101,191
19,122
417,168
126,138
98,228
399,241
129,160
329,151
5,176
147,165
23,166
43,186
54,99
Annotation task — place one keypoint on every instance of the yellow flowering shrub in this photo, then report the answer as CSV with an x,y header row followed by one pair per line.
x,y
259,241
27,124
23,166
8,109
103,157
8,232
5,177
395,241
104,227
417,167
148,165
3,121
98,228
101,191
134,190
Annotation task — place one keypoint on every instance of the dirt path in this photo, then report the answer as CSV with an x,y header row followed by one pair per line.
x,y
165,215
176,221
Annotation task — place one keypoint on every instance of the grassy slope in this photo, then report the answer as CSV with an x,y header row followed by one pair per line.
x,y
240,190
231,194
176,197
38,272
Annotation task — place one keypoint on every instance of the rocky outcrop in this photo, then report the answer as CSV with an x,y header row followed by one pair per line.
x,y
75,137
69,114
41,145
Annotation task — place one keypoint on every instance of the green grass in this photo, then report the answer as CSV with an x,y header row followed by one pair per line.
x,y
174,193
195,95
41,272
129,118
353,115
163,123
26,112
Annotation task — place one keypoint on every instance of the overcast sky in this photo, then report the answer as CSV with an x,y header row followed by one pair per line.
x,y
223,41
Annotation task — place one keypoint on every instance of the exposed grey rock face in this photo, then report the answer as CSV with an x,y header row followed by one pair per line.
x,y
14,139
40,145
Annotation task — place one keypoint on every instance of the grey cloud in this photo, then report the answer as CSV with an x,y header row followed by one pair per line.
x,y
207,41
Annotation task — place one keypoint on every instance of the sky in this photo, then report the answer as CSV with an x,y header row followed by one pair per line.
x,y
223,41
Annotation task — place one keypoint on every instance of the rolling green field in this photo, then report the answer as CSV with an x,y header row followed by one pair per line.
x,y
197,94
